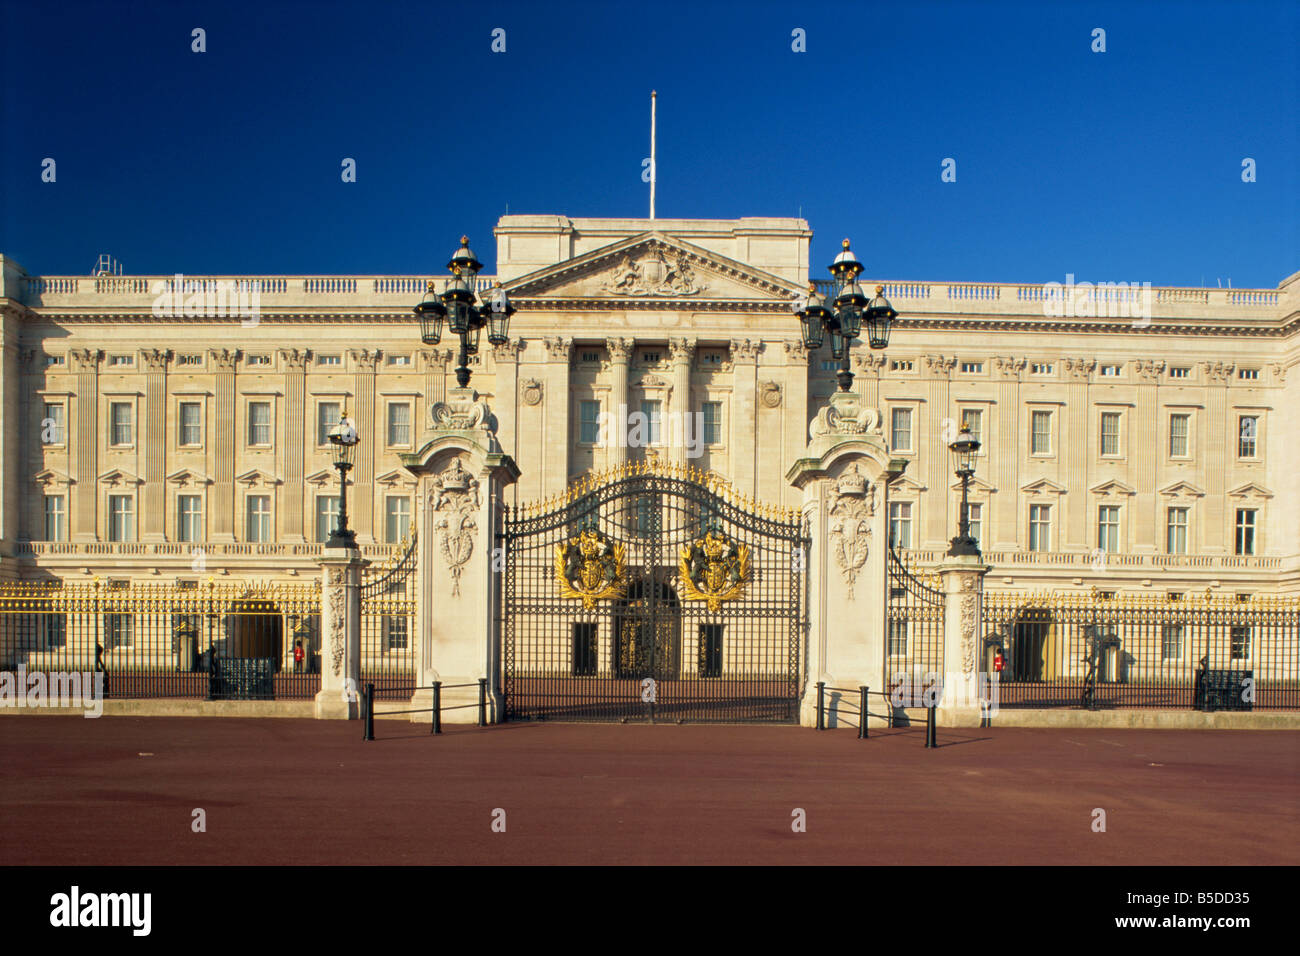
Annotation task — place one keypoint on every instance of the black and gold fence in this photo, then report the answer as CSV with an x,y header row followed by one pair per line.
x,y
213,641
914,614
1109,651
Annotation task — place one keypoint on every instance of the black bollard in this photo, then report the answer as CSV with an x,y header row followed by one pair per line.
x,y
862,712
929,727
437,707
482,701
368,706
821,705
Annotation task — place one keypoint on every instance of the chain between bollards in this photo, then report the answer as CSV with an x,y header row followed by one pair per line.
x,y
368,706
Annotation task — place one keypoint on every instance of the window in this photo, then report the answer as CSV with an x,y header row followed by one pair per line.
x,y
1110,371
1110,433
1041,368
1247,433
259,423
1108,529
650,409
1179,426
1171,642
1179,371
1040,527
586,659
189,524
397,519
650,358
56,527
118,631
327,416
830,365
119,416
121,518
900,524
645,512
1176,531
900,429
975,519
1239,640
712,423
1040,439
1248,374
54,360
898,637
329,360
399,423
711,358
900,365
1246,530
191,423
121,360
189,360
399,360
973,368
711,650
589,422
591,356
259,518
327,516
259,360
52,424
972,419
396,634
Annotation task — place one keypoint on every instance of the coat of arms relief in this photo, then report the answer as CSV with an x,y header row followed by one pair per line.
x,y
590,567
852,508
654,274
454,500
714,569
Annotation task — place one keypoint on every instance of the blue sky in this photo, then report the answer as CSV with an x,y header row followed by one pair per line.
x,y
1115,166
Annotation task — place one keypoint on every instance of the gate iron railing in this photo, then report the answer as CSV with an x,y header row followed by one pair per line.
x,y
218,640
914,612
388,628
1108,650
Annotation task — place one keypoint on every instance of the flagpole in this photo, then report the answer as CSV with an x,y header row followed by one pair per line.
x,y
653,171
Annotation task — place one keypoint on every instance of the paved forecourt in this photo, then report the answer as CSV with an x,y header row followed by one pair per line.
x,y
121,790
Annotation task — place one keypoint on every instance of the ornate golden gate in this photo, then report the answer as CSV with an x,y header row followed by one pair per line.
x,y
653,593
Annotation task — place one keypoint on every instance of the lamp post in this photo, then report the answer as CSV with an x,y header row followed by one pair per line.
x,y
343,437
963,450
464,313
844,320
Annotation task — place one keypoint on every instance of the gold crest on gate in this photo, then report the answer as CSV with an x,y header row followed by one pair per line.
x,y
714,569
590,567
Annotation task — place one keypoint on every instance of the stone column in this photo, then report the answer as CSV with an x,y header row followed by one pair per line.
x,y
506,404
1078,533
340,627
794,401
293,444
462,475
1002,526
85,458
1207,535
841,475
935,460
744,432
153,507
964,661
221,524
683,354
556,400
620,352
1143,531
369,430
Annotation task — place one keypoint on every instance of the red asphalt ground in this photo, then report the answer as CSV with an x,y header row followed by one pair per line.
x,y
79,792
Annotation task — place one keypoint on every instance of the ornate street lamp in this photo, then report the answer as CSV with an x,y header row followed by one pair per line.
x,y
842,323
343,437
963,451
464,314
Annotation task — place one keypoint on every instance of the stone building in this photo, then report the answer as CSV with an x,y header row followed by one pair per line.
x,y
1130,444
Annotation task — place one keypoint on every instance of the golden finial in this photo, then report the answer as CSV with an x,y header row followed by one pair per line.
x,y
845,244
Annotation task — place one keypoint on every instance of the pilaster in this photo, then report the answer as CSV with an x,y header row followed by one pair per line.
x,y
153,509
221,524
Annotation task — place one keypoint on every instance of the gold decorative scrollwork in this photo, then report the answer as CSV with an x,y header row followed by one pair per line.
x,y
714,569
590,567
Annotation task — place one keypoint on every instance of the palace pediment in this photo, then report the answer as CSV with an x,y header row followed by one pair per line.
x,y
1250,490
120,477
258,477
188,476
1112,487
51,477
1043,486
1182,489
650,268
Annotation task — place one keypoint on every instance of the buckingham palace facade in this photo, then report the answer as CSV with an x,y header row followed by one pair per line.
x,y
168,428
